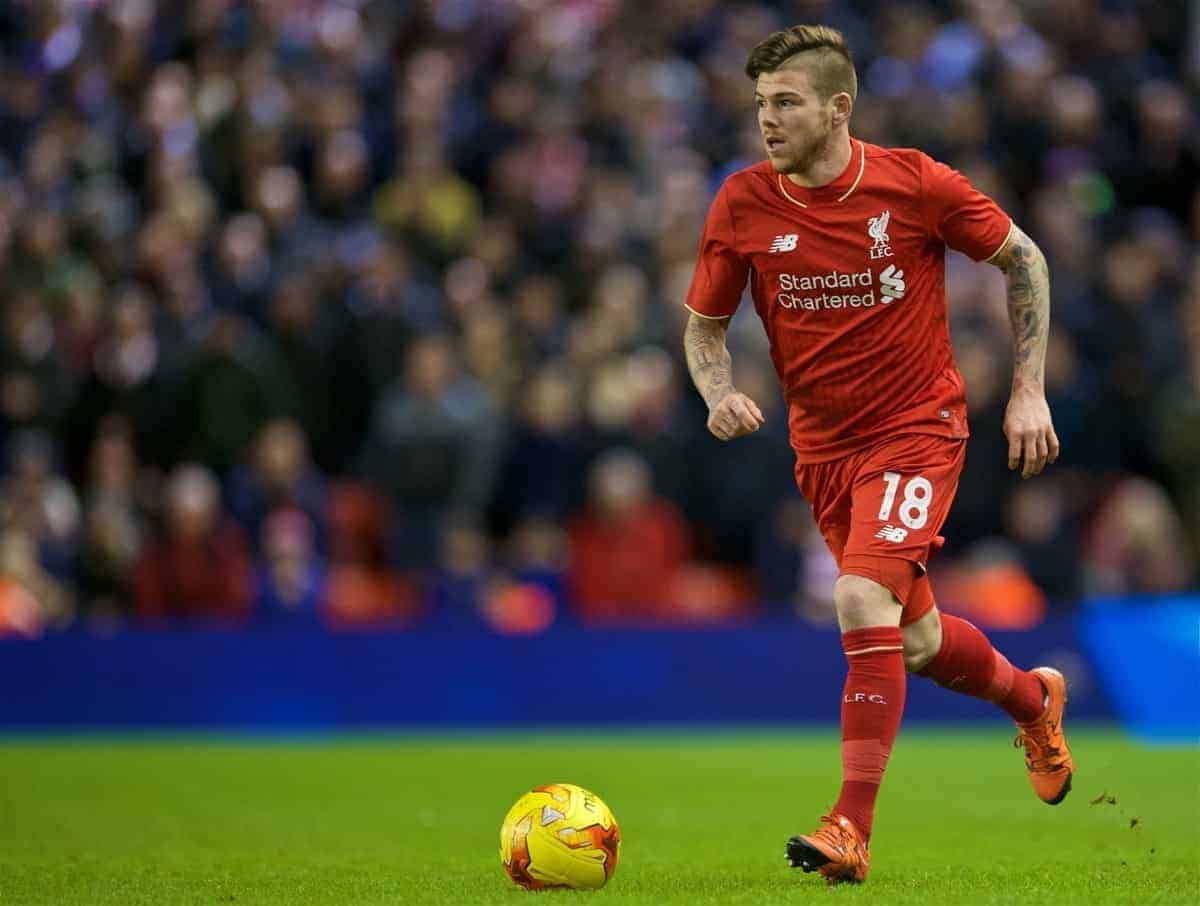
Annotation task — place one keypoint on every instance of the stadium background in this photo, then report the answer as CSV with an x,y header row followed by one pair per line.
x,y
341,392
360,322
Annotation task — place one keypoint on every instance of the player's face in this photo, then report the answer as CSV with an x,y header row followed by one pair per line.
x,y
796,127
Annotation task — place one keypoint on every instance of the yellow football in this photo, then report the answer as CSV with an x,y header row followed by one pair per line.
x,y
559,835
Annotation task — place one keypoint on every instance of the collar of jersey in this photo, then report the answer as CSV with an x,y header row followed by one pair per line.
x,y
817,193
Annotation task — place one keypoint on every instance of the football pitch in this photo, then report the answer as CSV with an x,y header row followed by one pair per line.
x,y
703,816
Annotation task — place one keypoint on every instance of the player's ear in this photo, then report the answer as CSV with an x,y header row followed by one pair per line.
x,y
843,104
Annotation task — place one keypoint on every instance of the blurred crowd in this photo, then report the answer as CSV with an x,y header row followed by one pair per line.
x,y
363,313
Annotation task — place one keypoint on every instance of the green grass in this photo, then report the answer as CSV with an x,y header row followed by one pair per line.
x,y
703,819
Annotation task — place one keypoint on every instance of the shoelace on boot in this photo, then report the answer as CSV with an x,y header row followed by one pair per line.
x,y
1038,751
832,833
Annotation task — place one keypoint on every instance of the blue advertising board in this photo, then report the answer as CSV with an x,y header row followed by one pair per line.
x,y
1116,657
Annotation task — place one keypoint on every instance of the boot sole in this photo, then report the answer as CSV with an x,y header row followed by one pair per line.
x,y
802,854
1062,794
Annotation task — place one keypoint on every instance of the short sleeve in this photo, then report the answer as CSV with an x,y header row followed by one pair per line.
x,y
721,271
960,215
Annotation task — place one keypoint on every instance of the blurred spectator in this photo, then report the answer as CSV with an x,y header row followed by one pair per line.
x,y
731,493
433,445
627,546
465,575
240,273
450,241
1038,520
391,301
1144,343
1136,544
1177,422
35,499
294,236
538,556
278,474
795,569
130,377
1168,158
33,384
31,601
364,589
985,482
233,386
113,531
309,344
990,587
546,451
430,202
197,566
290,585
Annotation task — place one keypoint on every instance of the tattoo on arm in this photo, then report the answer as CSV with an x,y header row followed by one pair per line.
x,y
709,362
1028,307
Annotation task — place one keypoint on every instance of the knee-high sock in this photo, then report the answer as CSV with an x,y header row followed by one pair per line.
x,y
968,663
872,705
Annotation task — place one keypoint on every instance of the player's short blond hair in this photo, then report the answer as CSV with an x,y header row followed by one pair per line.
x,y
819,49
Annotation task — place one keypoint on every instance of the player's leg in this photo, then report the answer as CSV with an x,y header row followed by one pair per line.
x,y
919,482
872,697
872,706
899,496
955,654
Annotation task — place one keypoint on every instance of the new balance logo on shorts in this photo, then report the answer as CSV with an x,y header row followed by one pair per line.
x,y
892,533
784,243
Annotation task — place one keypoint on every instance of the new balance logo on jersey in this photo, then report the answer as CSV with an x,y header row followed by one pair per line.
x,y
784,243
891,283
892,533
877,230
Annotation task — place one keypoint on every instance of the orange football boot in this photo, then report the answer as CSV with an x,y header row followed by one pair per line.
x,y
836,850
1047,757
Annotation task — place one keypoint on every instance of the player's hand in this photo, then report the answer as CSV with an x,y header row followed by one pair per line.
x,y
1032,443
735,415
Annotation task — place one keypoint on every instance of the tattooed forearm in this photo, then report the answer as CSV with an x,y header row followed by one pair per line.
x,y
708,360
1028,308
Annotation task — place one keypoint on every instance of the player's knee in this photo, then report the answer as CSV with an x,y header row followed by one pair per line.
x,y
922,641
916,657
862,603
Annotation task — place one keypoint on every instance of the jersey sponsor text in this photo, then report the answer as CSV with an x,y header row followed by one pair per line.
x,y
792,286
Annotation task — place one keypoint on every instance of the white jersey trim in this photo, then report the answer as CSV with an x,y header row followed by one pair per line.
x,y
704,316
862,166
1012,228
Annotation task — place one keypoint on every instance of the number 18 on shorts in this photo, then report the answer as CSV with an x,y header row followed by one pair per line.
x,y
888,500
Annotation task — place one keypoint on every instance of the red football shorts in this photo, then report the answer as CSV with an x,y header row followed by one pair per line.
x,y
880,510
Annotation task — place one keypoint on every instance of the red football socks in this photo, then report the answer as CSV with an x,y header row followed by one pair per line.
x,y
872,705
968,663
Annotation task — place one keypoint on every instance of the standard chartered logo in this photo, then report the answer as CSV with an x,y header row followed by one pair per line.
x,y
812,292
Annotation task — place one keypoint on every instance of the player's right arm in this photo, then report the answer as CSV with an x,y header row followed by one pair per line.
x,y
716,290
730,414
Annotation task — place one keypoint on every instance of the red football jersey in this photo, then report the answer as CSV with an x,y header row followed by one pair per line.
x,y
849,280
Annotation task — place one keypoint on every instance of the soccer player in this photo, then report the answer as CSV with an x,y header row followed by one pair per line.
x,y
843,244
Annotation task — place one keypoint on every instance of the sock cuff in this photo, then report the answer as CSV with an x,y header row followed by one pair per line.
x,y
872,640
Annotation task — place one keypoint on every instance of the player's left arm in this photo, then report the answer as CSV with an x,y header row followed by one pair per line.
x,y
1032,442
